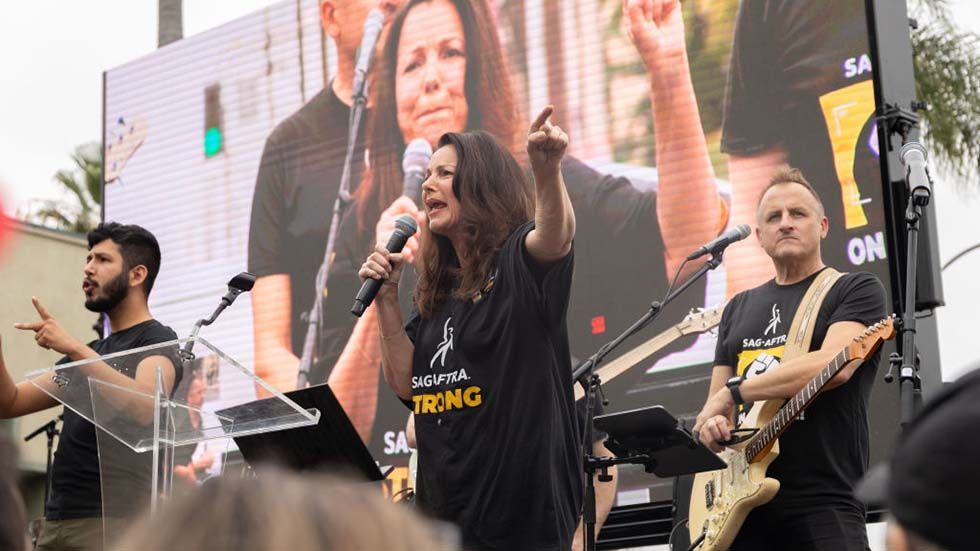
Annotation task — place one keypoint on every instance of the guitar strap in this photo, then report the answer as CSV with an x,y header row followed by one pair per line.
x,y
801,330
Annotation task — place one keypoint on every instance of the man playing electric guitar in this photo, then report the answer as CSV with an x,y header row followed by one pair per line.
x,y
825,452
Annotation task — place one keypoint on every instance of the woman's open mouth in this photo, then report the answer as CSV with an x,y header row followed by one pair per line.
x,y
434,205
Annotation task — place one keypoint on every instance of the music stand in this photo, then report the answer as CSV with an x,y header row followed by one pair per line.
x,y
654,438
331,443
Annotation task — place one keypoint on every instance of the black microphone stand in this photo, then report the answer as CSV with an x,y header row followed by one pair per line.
x,y
241,283
910,385
586,375
50,429
314,321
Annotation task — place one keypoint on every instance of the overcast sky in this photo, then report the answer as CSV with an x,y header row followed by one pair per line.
x,y
52,55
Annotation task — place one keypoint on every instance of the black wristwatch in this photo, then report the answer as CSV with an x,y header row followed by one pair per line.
x,y
733,385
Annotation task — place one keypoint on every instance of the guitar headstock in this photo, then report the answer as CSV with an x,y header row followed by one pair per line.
x,y
868,342
701,320
122,141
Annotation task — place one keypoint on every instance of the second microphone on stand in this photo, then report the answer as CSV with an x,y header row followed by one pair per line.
x,y
722,242
365,53
405,227
415,162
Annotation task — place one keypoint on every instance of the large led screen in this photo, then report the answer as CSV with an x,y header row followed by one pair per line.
x,y
231,145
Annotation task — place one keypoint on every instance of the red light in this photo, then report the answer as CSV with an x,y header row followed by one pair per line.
x,y
598,325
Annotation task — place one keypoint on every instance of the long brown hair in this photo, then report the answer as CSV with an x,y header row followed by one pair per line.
x,y
495,198
488,95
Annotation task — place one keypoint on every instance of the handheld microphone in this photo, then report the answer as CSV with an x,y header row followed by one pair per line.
x,y
372,30
414,163
914,156
721,242
405,227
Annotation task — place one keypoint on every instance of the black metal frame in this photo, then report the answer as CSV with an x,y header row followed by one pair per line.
x,y
909,231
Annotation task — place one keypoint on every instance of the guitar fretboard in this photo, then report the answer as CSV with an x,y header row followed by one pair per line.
x,y
792,408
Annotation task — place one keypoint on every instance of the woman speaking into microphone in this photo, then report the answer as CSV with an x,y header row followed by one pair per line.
x,y
483,361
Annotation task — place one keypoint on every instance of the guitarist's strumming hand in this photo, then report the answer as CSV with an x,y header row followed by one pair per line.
x,y
714,423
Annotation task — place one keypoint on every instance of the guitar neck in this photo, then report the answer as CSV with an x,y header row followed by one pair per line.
x,y
695,322
623,363
763,439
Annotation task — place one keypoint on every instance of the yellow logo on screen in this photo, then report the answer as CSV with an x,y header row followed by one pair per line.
x,y
845,111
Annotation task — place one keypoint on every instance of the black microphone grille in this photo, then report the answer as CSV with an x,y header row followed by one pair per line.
x,y
406,224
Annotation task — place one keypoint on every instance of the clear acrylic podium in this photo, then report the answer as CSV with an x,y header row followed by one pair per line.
x,y
141,430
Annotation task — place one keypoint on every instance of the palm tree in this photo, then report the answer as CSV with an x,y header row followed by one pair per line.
x,y
947,77
83,182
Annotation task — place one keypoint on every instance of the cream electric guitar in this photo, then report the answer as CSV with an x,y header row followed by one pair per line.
x,y
698,321
720,500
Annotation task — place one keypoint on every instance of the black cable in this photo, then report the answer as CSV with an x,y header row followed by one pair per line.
x,y
674,280
959,255
697,541
670,538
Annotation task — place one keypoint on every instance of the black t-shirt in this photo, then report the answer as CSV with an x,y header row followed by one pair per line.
x,y
824,453
800,76
499,443
297,184
75,481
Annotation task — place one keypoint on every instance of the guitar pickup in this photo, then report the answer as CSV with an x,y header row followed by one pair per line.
x,y
709,493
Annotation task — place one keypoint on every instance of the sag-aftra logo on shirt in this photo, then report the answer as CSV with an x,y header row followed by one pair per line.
x,y
445,346
443,400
